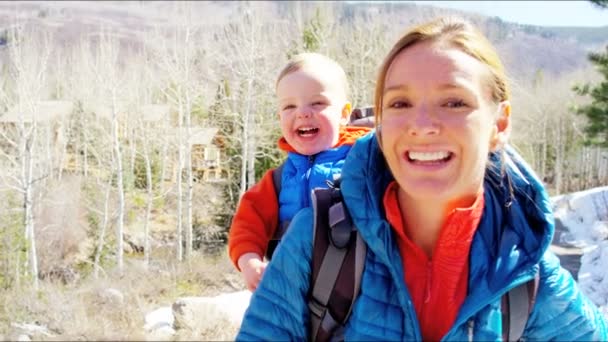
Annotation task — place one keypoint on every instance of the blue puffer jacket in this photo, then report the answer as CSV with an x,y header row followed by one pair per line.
x,y
510,245
303,173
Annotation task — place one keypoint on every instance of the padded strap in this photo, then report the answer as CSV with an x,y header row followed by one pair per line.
x,y
516,306
336,272
322,290
277,181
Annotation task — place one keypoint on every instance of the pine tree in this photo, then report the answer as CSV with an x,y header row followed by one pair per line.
x,y
600,3
597,111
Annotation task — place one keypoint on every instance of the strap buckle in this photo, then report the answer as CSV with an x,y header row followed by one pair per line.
x,y
340,225
326,322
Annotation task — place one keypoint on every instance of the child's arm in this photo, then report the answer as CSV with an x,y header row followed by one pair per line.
x,y
255,221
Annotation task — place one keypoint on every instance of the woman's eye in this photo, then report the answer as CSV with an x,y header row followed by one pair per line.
x,y
399,104
455,104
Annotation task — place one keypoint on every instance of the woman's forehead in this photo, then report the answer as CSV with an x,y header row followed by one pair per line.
x,y
442,65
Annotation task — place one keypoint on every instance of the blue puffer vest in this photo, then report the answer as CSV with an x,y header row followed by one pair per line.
x,y
303,173
510,245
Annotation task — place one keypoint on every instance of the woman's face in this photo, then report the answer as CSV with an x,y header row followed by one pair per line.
x,y
438,122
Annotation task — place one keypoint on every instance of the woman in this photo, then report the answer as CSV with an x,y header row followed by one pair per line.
x,y
452,218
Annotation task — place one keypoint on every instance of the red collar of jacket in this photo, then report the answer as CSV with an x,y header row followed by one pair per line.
x,y
438,286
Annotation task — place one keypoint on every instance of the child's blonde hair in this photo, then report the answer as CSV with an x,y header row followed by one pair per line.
x,y
314,60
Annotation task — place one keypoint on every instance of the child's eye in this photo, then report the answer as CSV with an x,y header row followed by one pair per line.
x,y
289,106
455,104
318,103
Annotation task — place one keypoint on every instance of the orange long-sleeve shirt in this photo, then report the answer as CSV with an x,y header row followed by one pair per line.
x,y
256,217
438,286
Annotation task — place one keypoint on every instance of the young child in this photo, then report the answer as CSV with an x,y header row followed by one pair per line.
x,y
313,110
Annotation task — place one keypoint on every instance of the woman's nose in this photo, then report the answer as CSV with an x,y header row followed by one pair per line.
x,y
423,123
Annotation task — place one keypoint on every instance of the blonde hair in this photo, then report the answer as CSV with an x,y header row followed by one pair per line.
x,y
314,60
454,32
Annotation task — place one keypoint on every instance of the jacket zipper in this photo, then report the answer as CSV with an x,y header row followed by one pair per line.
x,y
481,304
307,189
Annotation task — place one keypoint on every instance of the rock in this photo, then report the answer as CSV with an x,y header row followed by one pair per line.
x,y
194,313
30,330
112,296
159,319
163,333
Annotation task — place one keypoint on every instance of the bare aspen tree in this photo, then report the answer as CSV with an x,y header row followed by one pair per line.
x,y
252,57
109,81
28,79
177,51
359,51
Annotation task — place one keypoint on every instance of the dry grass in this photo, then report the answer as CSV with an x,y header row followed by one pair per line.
x,y
83,311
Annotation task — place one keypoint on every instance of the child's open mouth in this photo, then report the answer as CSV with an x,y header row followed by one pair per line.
x,y
307,131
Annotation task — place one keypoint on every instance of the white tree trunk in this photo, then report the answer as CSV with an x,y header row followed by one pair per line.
x,y
559,156
27,177
246,134
190,181
120,186
103,227
180,168
149,199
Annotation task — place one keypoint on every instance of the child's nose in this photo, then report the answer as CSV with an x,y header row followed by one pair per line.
x,y
304,112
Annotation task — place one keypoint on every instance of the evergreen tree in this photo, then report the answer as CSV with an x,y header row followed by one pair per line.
x,y
597,111
600,3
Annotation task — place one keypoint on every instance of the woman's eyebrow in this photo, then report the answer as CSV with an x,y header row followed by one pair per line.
x,y
399,87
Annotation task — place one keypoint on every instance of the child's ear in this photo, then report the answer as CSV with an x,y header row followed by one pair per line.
x,y
502,126
346,110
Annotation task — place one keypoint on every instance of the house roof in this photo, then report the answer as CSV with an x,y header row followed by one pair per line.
x,y
147,112
45,111
198,135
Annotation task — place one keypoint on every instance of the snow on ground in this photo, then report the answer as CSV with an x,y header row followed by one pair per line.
x,y
585,216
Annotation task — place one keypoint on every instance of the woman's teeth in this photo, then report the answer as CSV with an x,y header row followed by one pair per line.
x,y
428,156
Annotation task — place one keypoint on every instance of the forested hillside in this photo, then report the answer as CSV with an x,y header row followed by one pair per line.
x,y
129,130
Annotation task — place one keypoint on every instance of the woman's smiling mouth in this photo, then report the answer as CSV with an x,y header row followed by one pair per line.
x,y
428,158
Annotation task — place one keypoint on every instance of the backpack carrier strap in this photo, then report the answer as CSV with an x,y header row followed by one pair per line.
x,y
516,306
277,181
337,265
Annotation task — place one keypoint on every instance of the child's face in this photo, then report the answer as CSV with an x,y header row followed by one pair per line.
x,y
312,106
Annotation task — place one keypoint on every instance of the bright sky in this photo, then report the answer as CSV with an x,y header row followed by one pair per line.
x,y
541,13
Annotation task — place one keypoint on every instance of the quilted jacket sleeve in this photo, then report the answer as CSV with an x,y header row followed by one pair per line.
x,y
562,312
278,310
255,220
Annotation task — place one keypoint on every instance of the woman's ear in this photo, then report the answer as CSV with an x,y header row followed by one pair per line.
x,y
502,126
345,115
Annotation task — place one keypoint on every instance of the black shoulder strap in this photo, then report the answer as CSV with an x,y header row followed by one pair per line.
x,y
516,306
277,181
337,265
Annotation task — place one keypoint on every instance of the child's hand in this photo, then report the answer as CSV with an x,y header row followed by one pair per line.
x,y
252,267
